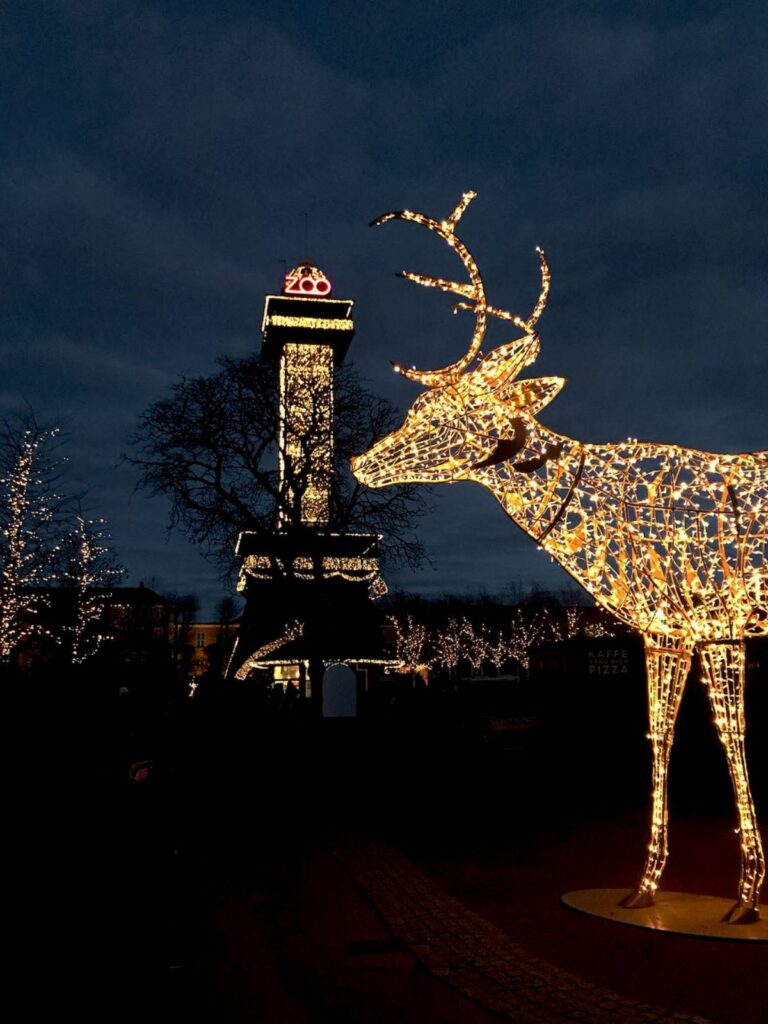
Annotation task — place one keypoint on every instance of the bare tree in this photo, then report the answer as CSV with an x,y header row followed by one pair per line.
x,y
213,447
183,609
226,613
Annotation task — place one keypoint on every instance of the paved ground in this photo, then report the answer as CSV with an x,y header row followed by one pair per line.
x,y
310,948
225,899
516,885
478,959
366,936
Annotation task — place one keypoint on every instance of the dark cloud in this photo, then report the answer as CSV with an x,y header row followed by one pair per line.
x,y
163,163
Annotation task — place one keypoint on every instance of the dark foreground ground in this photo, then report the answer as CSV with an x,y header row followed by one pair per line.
x,y
406,868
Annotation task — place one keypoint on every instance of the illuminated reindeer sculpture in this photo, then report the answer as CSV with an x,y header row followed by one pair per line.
x,y
671,540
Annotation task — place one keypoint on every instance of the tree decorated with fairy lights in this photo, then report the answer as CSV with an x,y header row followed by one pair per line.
x,y
527,627
410,642
573,623
88,568
498,651
672,541
53,566
475,643
447,646
29,507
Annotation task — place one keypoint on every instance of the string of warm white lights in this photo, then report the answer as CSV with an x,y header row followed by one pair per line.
x,y
27,562
480,644
305,434
476,643
447,645
724,671
410,642
86,573
312,323
475,291
672,541
256,658
355,568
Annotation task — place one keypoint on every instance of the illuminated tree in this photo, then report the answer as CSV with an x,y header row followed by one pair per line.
x,y
574,622
447,646
40,555
527,627
214,448
596,630
475,643
88,568
28,510
498,651
410,642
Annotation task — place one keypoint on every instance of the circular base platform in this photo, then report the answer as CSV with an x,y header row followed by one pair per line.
x,y
679,912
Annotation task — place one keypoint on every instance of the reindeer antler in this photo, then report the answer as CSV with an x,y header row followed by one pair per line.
x,y
524,325
474,291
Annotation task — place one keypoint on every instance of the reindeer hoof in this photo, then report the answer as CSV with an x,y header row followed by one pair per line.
x,y
637,900
742,913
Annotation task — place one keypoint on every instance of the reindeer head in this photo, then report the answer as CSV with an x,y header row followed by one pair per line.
x,y
467,420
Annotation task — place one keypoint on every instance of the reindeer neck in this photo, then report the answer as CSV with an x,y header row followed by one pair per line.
x,y
535,486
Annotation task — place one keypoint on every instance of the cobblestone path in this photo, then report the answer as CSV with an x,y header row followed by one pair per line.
x,y
477,958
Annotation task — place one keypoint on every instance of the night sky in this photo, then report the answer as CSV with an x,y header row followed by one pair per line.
x,y
163,164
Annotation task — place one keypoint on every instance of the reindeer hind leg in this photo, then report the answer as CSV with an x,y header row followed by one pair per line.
x,y
724,672
667,662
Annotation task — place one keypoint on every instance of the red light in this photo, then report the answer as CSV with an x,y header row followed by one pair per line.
x,y
306,280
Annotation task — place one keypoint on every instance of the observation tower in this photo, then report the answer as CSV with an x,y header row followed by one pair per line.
x,y
309,587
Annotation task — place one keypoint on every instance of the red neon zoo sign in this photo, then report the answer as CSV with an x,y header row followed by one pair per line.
x,y
308,281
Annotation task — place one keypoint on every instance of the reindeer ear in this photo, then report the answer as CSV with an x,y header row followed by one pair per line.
x,y
531,395
501,366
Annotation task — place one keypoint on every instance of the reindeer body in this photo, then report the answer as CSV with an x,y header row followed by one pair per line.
x,y
673,541
665,538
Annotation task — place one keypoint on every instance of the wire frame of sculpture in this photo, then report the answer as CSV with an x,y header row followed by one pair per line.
x,y
671,540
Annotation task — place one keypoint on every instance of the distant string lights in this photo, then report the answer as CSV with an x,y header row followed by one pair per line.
x,y
481,644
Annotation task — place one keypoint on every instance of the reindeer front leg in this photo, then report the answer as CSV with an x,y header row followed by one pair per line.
x,y
667,661
724,672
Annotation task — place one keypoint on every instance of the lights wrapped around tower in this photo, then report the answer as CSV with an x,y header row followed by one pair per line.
x,y
308,587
